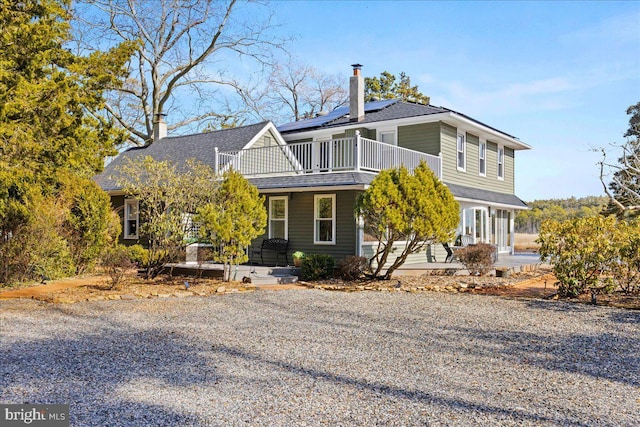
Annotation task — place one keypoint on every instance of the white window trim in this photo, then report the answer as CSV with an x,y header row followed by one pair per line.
x,y
286,215
317,197
498,163
482,155
462,168
125,228
393,130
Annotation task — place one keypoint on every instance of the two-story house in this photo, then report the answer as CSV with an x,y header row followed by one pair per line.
x,y
311,171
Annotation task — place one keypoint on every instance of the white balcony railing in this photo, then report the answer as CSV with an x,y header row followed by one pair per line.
x,y
336,155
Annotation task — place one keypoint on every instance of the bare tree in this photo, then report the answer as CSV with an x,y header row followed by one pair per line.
x,y
181,67
624,188
295,91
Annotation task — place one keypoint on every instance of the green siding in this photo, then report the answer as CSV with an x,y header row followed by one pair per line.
x,y
422,137
301,225
448,147
364,132
471,177
491,181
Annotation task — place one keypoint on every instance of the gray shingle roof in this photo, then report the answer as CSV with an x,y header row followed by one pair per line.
x,y
377,111
374,112
337,179
463,192
178,149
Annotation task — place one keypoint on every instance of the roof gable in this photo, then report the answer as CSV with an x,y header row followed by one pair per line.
x,y
179,149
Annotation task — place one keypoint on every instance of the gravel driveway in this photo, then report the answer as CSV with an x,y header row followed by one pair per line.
x,y
315,358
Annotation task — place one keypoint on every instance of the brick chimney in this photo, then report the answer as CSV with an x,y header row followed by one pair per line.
x,y
356,95
159,127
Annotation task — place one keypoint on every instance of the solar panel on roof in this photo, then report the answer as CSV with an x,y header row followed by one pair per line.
x,y
335,114
378,105
315,121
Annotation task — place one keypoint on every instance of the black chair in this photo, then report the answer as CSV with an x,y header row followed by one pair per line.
x,y
277,245
449,257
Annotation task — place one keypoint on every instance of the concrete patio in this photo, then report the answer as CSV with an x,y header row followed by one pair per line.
x,y
270,275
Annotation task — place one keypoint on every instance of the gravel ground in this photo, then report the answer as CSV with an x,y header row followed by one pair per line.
x,y
315,358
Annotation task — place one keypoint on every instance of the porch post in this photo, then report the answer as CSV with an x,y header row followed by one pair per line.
x,y
357,151
216,160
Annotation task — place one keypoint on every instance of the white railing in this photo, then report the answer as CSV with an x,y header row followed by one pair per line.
x,y
344,154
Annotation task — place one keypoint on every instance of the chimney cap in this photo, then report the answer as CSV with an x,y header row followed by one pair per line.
x,y
356,66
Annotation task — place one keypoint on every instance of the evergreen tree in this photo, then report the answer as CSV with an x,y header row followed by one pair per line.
x,y
406,212
236,217
386,87
49,130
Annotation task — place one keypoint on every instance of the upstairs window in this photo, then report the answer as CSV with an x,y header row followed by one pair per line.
x,y
462,164
324,207
131,219
500,162
267,141
482,154
278,217
388,137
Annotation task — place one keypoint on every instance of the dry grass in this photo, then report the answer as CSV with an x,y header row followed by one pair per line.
x,y
526,242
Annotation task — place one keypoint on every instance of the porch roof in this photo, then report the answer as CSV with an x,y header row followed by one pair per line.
x,y
303,182
463,193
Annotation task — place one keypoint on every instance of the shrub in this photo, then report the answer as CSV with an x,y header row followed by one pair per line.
x,y
353,267
626,269
478,259
582,252
153,262
138,255
117,261
87,221
317,266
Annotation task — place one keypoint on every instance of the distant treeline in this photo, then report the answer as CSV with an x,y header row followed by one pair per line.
x,y
558,209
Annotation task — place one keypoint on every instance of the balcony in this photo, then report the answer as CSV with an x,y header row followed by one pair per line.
x,y
354,154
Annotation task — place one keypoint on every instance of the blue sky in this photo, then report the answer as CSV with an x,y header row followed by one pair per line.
x,y
558,75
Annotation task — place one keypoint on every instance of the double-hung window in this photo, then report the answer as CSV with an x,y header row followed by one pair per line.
x,y
278,217
500,162
462,152
482,154
324,207
131,219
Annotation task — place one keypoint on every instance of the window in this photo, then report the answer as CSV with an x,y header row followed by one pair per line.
x,y
278,217
461,152
131,219
388,137
267,141
500,162
475,223
483,158
324,207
